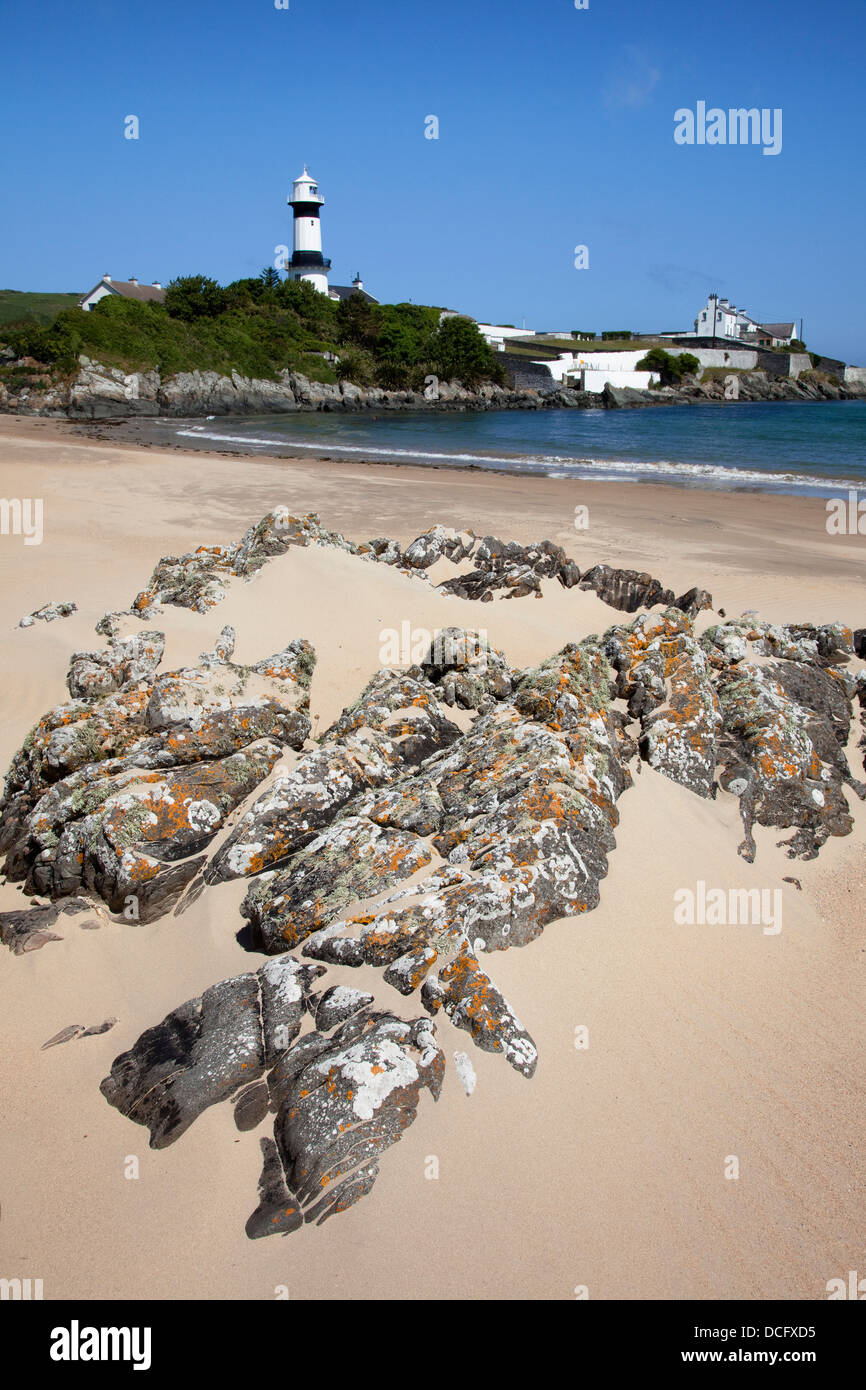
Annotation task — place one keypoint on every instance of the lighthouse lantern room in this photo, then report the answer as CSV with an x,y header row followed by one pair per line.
x,y
307,261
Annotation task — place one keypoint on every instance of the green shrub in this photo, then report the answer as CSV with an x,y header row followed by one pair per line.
x,y
671,369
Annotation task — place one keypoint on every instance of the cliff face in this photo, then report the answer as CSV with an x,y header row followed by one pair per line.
x,y
100,393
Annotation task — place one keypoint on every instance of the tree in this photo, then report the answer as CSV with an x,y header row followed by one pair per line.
x,y
270,277
670,369
358,322
192,297
242,294
460,352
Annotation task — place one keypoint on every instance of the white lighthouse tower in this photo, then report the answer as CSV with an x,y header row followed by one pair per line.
x,y
307,261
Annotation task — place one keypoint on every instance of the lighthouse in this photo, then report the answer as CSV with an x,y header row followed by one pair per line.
x,y
307,261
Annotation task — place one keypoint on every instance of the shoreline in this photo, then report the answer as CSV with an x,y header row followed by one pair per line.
x,y
682,535
679,474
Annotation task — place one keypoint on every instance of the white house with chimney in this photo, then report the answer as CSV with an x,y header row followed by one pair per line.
x,y
126,289
722,319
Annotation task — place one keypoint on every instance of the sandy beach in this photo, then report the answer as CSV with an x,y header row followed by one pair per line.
x,y
607,1170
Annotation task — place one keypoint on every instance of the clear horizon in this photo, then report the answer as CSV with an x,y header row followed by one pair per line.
x,y
555,130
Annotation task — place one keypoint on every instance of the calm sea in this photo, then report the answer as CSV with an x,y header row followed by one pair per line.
x,y
802,447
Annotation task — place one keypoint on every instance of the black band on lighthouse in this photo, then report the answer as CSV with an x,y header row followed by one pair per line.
x,y
306,209
307,258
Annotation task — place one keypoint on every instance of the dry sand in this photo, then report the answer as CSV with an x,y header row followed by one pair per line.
x,y
607,1170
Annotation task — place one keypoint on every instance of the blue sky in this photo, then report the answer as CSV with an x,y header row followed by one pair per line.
x,y
555,129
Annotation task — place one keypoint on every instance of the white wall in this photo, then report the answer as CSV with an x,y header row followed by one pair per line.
x,y
596,381
496,335
746,358
618,369
308,234
857,375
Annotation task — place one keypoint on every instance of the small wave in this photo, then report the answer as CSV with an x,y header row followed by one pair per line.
x,y
551,465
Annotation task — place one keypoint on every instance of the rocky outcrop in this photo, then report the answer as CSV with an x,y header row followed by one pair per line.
x,y
488,568
116,793
98,392
49,613
455,809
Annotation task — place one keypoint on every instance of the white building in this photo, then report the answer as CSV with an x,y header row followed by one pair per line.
x,y
497,334
126,289
722,319
591,371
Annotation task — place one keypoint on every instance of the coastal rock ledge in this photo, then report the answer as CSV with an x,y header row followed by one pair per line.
x,y
98,392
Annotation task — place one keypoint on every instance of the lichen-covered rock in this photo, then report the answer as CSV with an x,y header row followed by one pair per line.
x,y
68,738
436,543
207,1049
341,1102
405,842
770,762
199,579
472,1002
110,623
664,675
196,580
404,714
351,859
827,645
124,663
469,672
120,792
396,723
626,589
202,712
49,613
336,1005
132,834
222,650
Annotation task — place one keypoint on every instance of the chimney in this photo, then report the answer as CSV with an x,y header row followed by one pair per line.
x,y
358,283
107,277
132,280
157,285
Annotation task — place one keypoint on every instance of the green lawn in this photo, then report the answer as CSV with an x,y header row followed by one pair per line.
x,y
16,306
551,347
